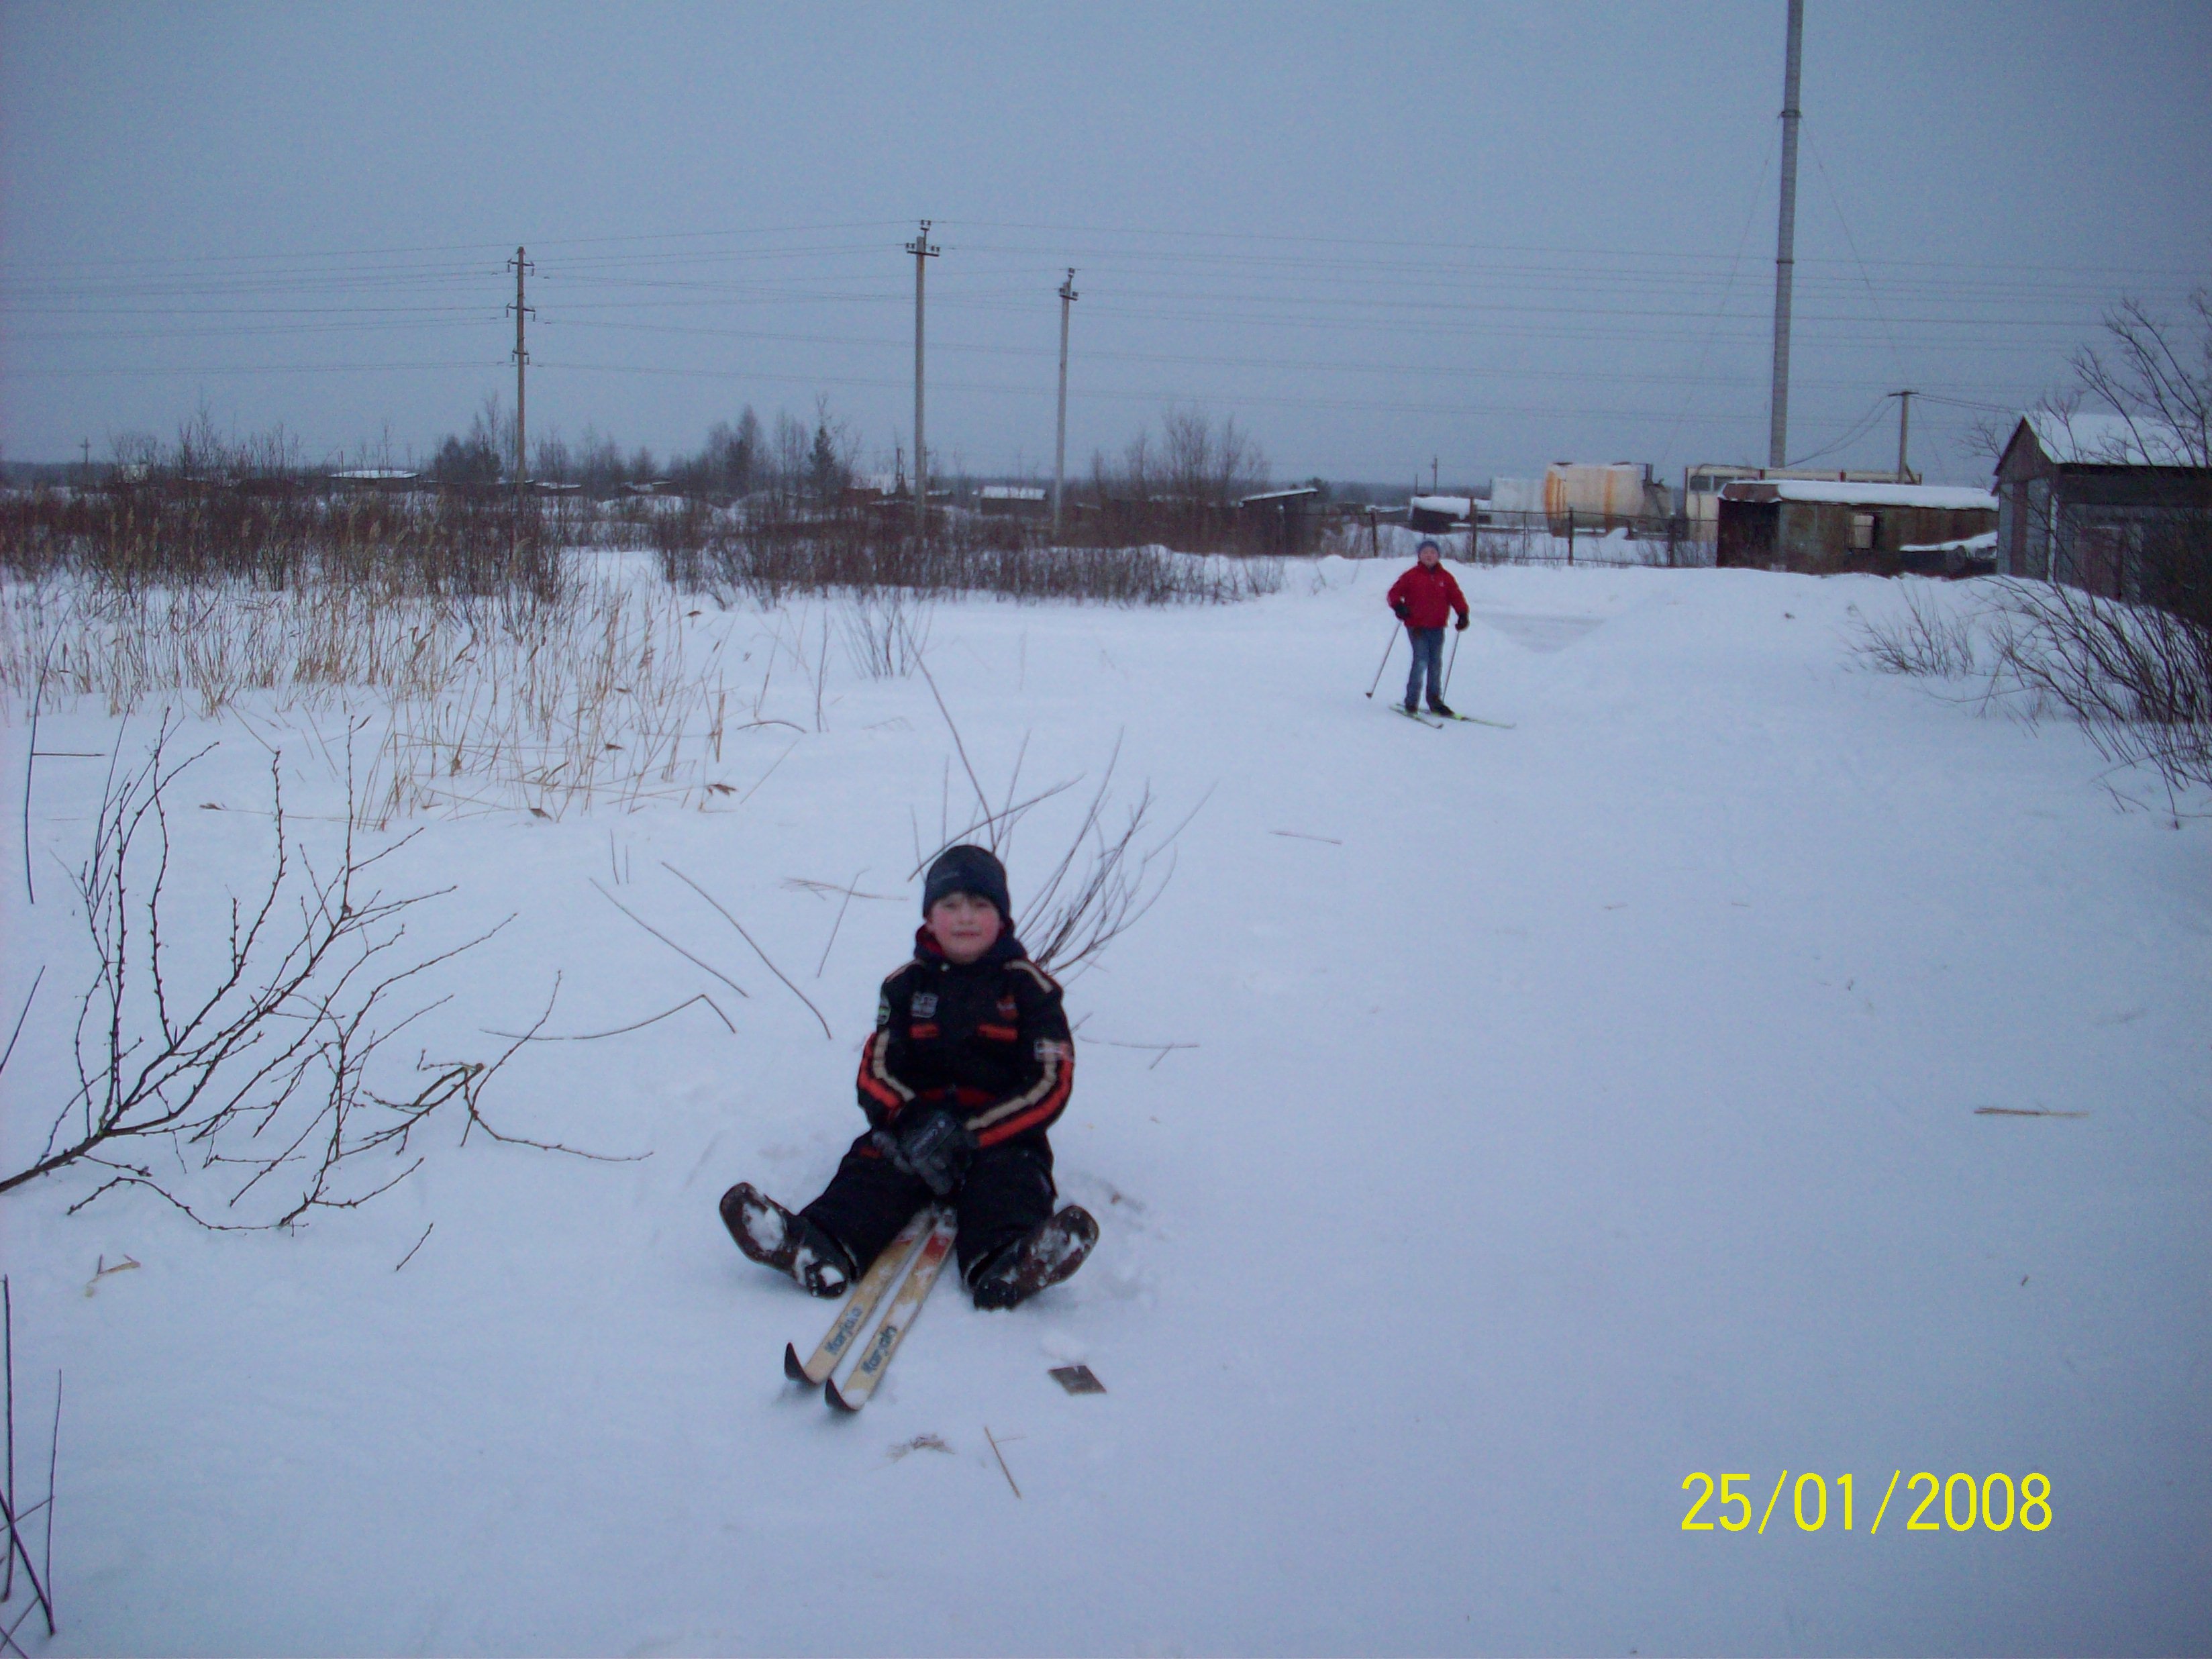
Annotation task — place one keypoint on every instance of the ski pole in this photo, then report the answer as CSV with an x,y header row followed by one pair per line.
x,y
1449,666
1385,662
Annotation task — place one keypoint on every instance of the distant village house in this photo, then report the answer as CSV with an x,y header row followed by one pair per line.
x,y
2089,500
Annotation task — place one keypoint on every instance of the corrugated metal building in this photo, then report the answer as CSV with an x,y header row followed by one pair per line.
x,y
1702,482
1824,528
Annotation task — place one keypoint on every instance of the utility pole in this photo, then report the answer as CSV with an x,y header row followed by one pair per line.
x,y
1904,423
85,477
923,253
1060,441
1785,244
520,266
1433,461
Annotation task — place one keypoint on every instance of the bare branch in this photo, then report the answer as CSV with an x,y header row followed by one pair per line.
x,y
748,938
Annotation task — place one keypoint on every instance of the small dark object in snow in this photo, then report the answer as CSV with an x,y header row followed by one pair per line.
x,y
919,1442
1076,1379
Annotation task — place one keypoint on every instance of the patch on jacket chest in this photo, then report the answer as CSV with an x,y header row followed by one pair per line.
x,y
1006,1010
925,1004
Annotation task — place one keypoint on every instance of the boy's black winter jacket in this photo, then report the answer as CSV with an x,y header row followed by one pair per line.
x,y
989,1042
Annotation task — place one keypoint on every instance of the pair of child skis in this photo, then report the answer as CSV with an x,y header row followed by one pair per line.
x,y
970,1063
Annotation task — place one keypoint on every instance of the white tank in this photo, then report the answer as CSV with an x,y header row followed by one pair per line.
x,y
1600,494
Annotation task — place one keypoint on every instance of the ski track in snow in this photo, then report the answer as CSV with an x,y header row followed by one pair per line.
x,y
1566,1109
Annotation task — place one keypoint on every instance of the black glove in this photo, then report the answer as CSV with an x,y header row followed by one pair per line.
x,y
1398,612
934,1147
1460,627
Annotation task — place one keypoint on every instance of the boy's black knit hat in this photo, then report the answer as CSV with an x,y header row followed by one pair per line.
x,y
967,869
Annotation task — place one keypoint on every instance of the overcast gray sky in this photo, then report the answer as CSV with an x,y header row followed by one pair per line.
x,y
1497,234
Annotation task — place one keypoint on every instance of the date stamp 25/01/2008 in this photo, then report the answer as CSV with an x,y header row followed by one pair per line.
x,y
1993,1502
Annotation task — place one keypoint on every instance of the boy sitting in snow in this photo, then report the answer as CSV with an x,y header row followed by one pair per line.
x,y
970,1064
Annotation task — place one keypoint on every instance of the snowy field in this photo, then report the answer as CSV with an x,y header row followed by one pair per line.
x,y
1746,1063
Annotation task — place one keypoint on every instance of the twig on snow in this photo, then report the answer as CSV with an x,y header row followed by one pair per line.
x,y
409,1256
672,943
621,1030
749,940
1002,1457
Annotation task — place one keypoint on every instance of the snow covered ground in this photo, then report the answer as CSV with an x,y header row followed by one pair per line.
x,y
1746,1063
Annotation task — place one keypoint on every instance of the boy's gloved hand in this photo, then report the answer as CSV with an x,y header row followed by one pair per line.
x,y
1398,612
1460,625
935,1147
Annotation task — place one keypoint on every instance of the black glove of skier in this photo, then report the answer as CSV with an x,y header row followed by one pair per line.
x,y
1398,612
1460,627
934,1147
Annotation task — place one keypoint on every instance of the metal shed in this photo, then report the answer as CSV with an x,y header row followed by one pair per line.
x,y
1278,520
1825,529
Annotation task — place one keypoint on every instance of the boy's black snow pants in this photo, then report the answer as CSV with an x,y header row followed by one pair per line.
x,y
1008,1191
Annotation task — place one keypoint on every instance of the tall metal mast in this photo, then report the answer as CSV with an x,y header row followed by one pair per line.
x,y
1785,245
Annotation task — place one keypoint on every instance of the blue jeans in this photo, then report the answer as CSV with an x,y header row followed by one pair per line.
x,y
1428,654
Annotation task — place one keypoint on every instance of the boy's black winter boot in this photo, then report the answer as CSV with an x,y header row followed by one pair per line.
x,y
1051,1253
1439,706
772,1235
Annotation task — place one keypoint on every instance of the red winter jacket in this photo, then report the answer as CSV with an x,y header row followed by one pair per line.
x,y
1430,596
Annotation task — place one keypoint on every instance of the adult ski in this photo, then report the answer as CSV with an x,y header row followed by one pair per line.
x,y
860,1382
1477,720
866,1295
1430,721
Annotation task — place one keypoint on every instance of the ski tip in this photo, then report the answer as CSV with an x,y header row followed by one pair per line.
x,y
794,1367
830,1393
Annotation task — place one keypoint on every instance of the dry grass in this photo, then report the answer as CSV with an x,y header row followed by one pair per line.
x,y
601,695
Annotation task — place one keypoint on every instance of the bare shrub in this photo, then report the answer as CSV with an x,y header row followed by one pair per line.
x,y
2137,676
1930,638
1103,880
2136,668
885,634
769,553
255,1082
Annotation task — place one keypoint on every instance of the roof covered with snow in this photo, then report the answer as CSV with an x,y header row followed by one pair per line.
x,y
1940,497
1457,505
1011,492
2102,437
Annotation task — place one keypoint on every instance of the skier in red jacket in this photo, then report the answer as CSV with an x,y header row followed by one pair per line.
x,y
1422,598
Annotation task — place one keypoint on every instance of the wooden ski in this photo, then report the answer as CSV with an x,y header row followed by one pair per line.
x,y
866,1295
860,1382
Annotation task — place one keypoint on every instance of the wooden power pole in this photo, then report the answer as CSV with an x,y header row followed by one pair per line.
x,y
1903,424
520,266
1059,438
923,253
